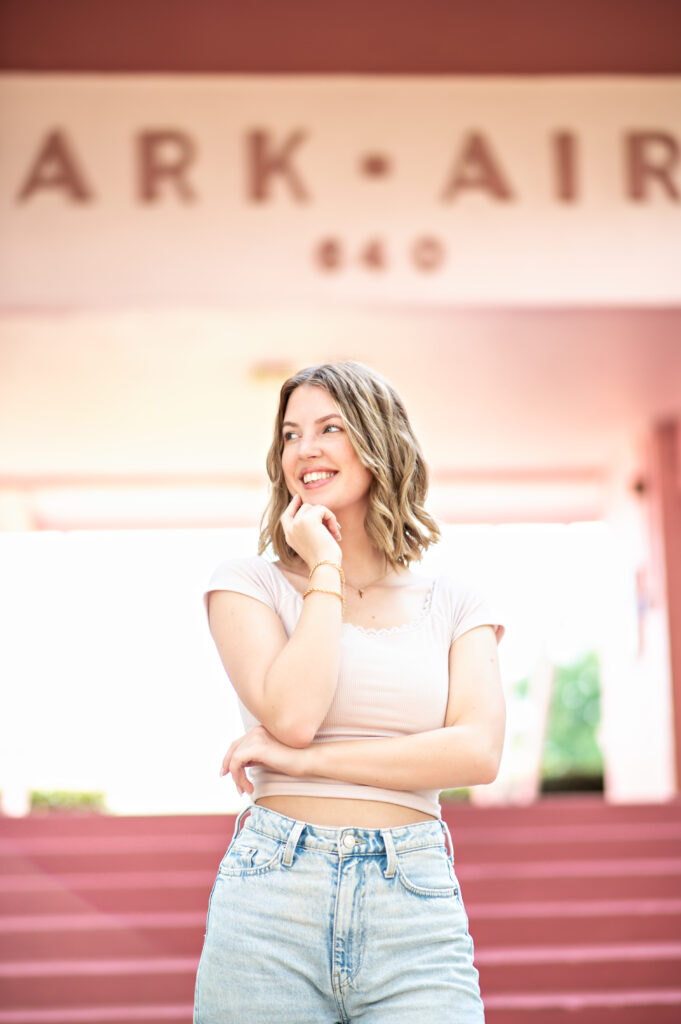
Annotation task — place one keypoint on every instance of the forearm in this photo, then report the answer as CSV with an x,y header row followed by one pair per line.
x,y
459,755
300,684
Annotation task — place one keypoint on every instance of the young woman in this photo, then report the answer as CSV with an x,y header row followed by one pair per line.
x,y
365,689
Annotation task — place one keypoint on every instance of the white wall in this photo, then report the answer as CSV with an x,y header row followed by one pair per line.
x,y
111,680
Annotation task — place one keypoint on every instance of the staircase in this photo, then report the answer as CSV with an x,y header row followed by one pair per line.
x,y
574,905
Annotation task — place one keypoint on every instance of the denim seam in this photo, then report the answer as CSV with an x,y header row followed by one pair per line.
x,y
328,846
336,980
350,978
197,984
246,872
417,890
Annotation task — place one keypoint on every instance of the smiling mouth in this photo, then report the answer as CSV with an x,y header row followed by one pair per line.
x,y
316,476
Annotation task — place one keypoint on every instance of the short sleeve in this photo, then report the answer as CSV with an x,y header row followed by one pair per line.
x,y
470,608
247,576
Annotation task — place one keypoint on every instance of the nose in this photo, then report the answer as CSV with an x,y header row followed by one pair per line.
x,y
309,446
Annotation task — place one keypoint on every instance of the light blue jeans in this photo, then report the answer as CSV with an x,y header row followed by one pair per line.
x,y
312,925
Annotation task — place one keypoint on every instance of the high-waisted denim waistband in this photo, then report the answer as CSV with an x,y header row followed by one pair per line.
x,y
346,840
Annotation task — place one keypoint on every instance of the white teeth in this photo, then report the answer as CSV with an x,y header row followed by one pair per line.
x,y
309,478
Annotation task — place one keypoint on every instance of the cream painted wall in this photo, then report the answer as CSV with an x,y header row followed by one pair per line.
x,y
275,169
193,392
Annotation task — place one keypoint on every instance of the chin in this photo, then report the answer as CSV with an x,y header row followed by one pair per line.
x,y
318,499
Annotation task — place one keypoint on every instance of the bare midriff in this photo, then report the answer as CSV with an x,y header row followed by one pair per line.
x,y
336,812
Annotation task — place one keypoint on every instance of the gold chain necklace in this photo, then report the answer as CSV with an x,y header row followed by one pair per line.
x,y
360,590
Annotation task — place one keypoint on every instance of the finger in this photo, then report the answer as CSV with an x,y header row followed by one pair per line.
x,y
286,519
228,756
240,780
303,509
331,523
239,776
233,747
293,506
325,517
232,767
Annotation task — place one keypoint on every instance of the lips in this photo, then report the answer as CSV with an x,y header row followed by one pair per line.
x,y
317,477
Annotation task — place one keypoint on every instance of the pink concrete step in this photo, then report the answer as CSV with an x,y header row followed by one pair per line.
x,y
613,968
153,1013
628,1006
52,984
67,824
601,966
108,892
566,809
530,881
94,935
575,908
57,854
558,810
649,878
562,811
572,921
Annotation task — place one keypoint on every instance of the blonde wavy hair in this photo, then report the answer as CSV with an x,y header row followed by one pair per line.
x,y
379,430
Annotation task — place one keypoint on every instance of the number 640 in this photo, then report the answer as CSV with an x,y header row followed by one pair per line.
x,y
424,254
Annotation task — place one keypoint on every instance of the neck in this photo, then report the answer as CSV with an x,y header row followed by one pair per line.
x,y
362,562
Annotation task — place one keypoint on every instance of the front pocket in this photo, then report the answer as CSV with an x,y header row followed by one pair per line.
x,y
251,853
427,872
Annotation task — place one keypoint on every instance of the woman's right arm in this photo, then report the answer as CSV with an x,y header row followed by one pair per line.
x,y
286,683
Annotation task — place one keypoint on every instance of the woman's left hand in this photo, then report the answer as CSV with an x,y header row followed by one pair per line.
x,y
258,746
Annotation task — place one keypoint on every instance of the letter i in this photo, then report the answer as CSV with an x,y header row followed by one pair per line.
x,y
565,162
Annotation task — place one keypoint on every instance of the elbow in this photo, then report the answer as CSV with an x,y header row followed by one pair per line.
x,y
489,767
488,774
299,739
295,733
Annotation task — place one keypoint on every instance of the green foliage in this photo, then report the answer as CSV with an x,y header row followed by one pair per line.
x,y
67,800
571,748
456,795
521,689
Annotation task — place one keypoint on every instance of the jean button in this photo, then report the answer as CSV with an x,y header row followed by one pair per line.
x,y
348,841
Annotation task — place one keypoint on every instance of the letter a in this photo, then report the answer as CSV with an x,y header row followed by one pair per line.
x,y
55,167
476,168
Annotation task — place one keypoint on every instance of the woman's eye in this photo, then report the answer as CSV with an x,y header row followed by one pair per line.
x,y
290,435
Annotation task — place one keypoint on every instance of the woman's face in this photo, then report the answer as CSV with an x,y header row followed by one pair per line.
x,y
318,460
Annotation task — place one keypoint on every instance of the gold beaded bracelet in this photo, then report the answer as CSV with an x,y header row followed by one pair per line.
x,y
320,590
334,565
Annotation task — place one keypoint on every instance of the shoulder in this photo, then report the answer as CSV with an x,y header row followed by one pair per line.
x,y
253,576
465,605
253,568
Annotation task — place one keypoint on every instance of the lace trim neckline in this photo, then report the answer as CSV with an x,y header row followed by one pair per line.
x,y
369,630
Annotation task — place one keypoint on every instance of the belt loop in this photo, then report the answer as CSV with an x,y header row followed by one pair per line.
x,y
237,825
391,854
448,839
291,843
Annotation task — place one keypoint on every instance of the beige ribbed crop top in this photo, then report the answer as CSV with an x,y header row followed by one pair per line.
x,y
391,682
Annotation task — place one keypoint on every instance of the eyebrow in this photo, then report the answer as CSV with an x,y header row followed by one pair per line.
x,y
322,419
